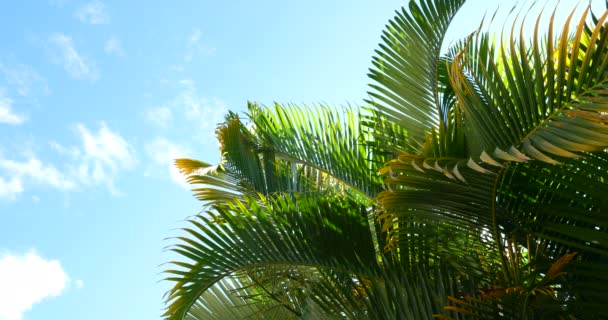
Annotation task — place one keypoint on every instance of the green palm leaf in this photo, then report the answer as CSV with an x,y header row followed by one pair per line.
x,y
407,90
283,232
546,101
231,298
322,139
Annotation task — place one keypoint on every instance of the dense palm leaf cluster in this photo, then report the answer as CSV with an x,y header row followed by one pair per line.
x,y
472,185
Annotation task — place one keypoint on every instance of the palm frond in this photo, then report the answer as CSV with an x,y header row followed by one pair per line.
x,y
431,218
547,102
286,149
234,297
310,231
407,90
319,138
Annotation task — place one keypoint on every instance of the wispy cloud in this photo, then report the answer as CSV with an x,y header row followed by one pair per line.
x,y
114,47
163,153
194,39
204,112
106,146
176,68
26,280
79,284
7,115
24,79
160,116
33,169
76,64
19,173
195,46
9,189
102,156
197,114
93,12
98,160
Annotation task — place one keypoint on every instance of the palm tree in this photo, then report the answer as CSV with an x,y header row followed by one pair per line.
x,y
472,185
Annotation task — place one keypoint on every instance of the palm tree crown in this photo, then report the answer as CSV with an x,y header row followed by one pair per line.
x,y
471,185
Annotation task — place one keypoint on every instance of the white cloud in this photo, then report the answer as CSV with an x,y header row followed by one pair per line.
x,y
195,38
71,151
160,116
205,112
163,153
77,65
26,280
103,154
196,114
33,169
97,160
20,173
195,46
9,189
6,113
107,147
113,46
93,12
24,79
79,284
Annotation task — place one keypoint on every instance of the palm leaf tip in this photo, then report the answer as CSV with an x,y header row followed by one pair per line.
x,y
190,166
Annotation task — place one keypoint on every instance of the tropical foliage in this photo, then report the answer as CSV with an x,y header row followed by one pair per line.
x,y
471,185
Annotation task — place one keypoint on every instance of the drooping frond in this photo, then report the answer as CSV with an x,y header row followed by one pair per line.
x,y
432,218
317,232
235,297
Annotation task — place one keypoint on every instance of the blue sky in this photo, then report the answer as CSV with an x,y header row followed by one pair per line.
x,y
98,97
